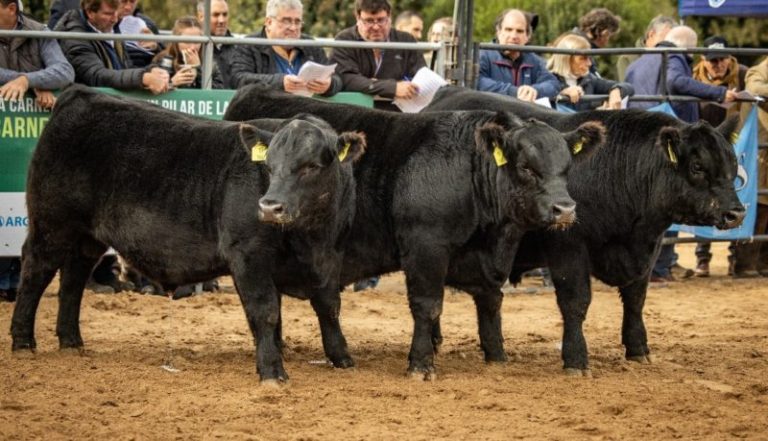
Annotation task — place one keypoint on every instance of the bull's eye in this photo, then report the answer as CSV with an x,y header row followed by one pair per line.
x,y
697,169
308,169
530,173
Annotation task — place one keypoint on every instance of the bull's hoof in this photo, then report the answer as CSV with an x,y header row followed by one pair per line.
x,y
498,358
71,343
24,345
274,383
642,359
573,372
24,353
416,375
344,363
72,350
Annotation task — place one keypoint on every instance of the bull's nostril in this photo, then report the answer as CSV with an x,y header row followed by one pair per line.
x,y
563,209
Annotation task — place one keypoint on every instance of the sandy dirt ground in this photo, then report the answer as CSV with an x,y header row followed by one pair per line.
x,y
709,379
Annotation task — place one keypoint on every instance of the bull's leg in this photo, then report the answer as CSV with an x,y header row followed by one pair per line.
x,y
633,335
425,270
74,275
437,336
38,267
327,305
574,294
262,310
488,307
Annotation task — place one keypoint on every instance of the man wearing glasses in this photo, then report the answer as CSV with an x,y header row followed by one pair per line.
x,y
384,73
278,66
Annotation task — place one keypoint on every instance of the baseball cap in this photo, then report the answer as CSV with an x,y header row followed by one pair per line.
x,y
715,42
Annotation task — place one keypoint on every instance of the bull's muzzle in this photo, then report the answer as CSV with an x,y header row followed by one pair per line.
x,y
563,215
733,218
273,212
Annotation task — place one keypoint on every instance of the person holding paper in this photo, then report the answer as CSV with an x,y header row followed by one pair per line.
x,y
385,73
576,80
132,21
187,67
523,75
278,66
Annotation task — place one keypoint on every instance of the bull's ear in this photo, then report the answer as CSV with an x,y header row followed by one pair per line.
x,y
351,146
728,128
586,138
490,140
669,141
255,141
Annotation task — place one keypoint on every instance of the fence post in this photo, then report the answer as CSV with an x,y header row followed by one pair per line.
x,y
207,48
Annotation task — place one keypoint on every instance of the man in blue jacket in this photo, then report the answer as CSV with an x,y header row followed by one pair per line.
x,y
522,75
644,75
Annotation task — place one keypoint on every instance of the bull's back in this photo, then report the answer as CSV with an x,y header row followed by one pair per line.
x,y
98,149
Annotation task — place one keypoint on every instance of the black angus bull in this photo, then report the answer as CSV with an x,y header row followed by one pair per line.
x,y
180,198
653,171
433,201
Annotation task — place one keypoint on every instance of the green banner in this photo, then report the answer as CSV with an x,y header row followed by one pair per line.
x,y
22,122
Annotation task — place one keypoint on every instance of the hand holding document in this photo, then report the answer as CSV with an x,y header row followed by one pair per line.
x,y
428,83
134,25
313,71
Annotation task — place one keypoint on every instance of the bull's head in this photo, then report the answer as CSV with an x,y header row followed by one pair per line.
x,y
304,160
705,167
534,159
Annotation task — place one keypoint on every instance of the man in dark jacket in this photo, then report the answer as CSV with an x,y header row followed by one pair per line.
x,y
644,75
104,63
222,53
278,66
387,73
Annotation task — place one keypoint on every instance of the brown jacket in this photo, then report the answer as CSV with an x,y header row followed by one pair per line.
x,y
715,113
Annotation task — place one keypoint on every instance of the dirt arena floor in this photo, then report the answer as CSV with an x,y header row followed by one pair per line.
x,y
709,380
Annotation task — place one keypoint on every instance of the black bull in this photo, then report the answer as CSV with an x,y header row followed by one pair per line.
x,y
432,201
180,199
654,170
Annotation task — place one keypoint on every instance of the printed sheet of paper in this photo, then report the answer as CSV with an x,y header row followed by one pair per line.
x,y
544,102
428,82
133,25
313,71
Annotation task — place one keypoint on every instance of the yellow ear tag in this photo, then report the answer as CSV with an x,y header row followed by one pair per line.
x,y
578,146
498,155
734,138
671,153
259,152
343,153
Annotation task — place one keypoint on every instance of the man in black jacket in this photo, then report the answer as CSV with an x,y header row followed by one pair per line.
x,y
104,63
383,73
222,53
278,66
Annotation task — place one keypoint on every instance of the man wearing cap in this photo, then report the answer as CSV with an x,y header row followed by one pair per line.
x,y
721,69
520,74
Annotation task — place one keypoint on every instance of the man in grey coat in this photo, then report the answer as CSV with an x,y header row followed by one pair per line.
x,y
29,63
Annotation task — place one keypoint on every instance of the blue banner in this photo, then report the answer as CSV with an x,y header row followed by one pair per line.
x,y
724,8
746,185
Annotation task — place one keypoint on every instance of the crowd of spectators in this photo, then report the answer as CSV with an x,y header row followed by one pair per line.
x,y
43,65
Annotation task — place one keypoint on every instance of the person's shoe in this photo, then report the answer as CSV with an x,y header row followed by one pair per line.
x,y
702,269
662,279
745,274
183,292
99,288
211,286
681,272
7,295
